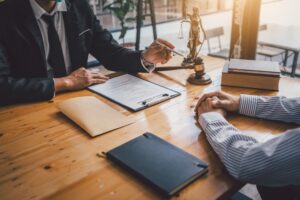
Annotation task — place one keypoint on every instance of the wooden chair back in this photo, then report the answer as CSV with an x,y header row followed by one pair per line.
x,y
263,27
214,33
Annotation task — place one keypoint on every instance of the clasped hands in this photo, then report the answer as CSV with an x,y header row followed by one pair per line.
x,y
218,101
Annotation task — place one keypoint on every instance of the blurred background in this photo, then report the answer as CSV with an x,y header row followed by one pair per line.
x,y
278,32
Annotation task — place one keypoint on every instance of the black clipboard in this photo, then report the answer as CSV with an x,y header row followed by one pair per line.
x,y
160,93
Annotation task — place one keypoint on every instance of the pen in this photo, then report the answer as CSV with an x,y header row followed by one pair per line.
x,y
169,49
151,101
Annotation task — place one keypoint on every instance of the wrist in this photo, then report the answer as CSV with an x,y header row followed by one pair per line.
x,y
238,103
221,112
146,61
62,84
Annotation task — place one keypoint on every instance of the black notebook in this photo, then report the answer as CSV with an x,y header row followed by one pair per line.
x,y
162,165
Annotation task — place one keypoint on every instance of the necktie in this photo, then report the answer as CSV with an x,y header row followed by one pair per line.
x,y
56,57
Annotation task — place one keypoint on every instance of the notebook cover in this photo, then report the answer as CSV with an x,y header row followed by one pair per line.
x,y
254,67
164,166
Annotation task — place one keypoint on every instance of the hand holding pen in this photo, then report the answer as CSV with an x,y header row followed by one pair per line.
x,y
159,52
168,48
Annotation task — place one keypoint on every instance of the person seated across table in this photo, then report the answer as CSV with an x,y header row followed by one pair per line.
x,y
44,47
273,165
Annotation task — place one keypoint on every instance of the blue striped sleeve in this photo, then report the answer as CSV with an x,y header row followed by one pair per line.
x,y
272,108
272,163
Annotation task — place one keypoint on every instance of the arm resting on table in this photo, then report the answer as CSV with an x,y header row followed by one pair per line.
x,y
272,108
16,90
272,163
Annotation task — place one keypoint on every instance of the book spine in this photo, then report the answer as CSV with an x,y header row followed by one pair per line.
x,y
256,73
250,81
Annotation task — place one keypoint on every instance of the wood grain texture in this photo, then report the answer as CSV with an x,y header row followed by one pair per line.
x,y
43,155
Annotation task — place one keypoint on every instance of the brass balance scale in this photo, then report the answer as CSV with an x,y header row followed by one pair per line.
x,y
193,60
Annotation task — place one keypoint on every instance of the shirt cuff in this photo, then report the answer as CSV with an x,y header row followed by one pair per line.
x,y
248,104
210,117
149,67
54,92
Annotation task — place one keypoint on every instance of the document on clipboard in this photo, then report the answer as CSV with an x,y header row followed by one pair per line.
x,y
132,92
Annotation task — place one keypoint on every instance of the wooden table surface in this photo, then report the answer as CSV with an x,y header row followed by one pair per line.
x,y
44,155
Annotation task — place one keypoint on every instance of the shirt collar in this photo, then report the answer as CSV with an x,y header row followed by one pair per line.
x,y
39,11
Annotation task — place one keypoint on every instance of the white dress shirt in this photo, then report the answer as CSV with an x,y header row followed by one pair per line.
x,y
275,162
60,7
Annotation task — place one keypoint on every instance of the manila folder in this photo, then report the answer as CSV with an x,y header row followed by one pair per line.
x,y
94,116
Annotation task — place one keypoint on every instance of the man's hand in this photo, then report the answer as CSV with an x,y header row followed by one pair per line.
x,y
207,106
79,79
158,54
224,100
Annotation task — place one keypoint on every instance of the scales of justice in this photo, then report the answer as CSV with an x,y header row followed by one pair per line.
x,y
193,60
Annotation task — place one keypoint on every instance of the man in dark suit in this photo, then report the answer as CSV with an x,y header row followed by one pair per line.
x,y
44,46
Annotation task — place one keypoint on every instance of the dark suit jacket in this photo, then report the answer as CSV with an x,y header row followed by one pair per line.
x,y
23,72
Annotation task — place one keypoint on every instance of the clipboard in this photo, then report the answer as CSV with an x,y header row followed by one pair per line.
x,y
132,92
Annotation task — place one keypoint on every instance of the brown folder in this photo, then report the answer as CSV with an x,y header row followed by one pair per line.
x,y
94,116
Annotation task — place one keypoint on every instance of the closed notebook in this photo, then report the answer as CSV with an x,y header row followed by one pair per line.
x,y
94,116
164,166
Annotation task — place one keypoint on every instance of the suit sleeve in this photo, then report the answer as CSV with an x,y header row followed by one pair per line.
x,y
17,90
110,53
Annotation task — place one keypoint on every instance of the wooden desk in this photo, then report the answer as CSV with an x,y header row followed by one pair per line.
x,y
44,155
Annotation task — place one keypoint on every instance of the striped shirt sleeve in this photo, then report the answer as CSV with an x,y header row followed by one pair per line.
x,y
272,108
272,163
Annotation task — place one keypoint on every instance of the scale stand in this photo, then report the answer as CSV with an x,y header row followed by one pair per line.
x,y
199,77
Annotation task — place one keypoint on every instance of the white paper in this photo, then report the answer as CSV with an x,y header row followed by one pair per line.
x,y
133,92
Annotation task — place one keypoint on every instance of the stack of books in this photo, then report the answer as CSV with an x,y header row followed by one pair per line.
x,y
251,74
